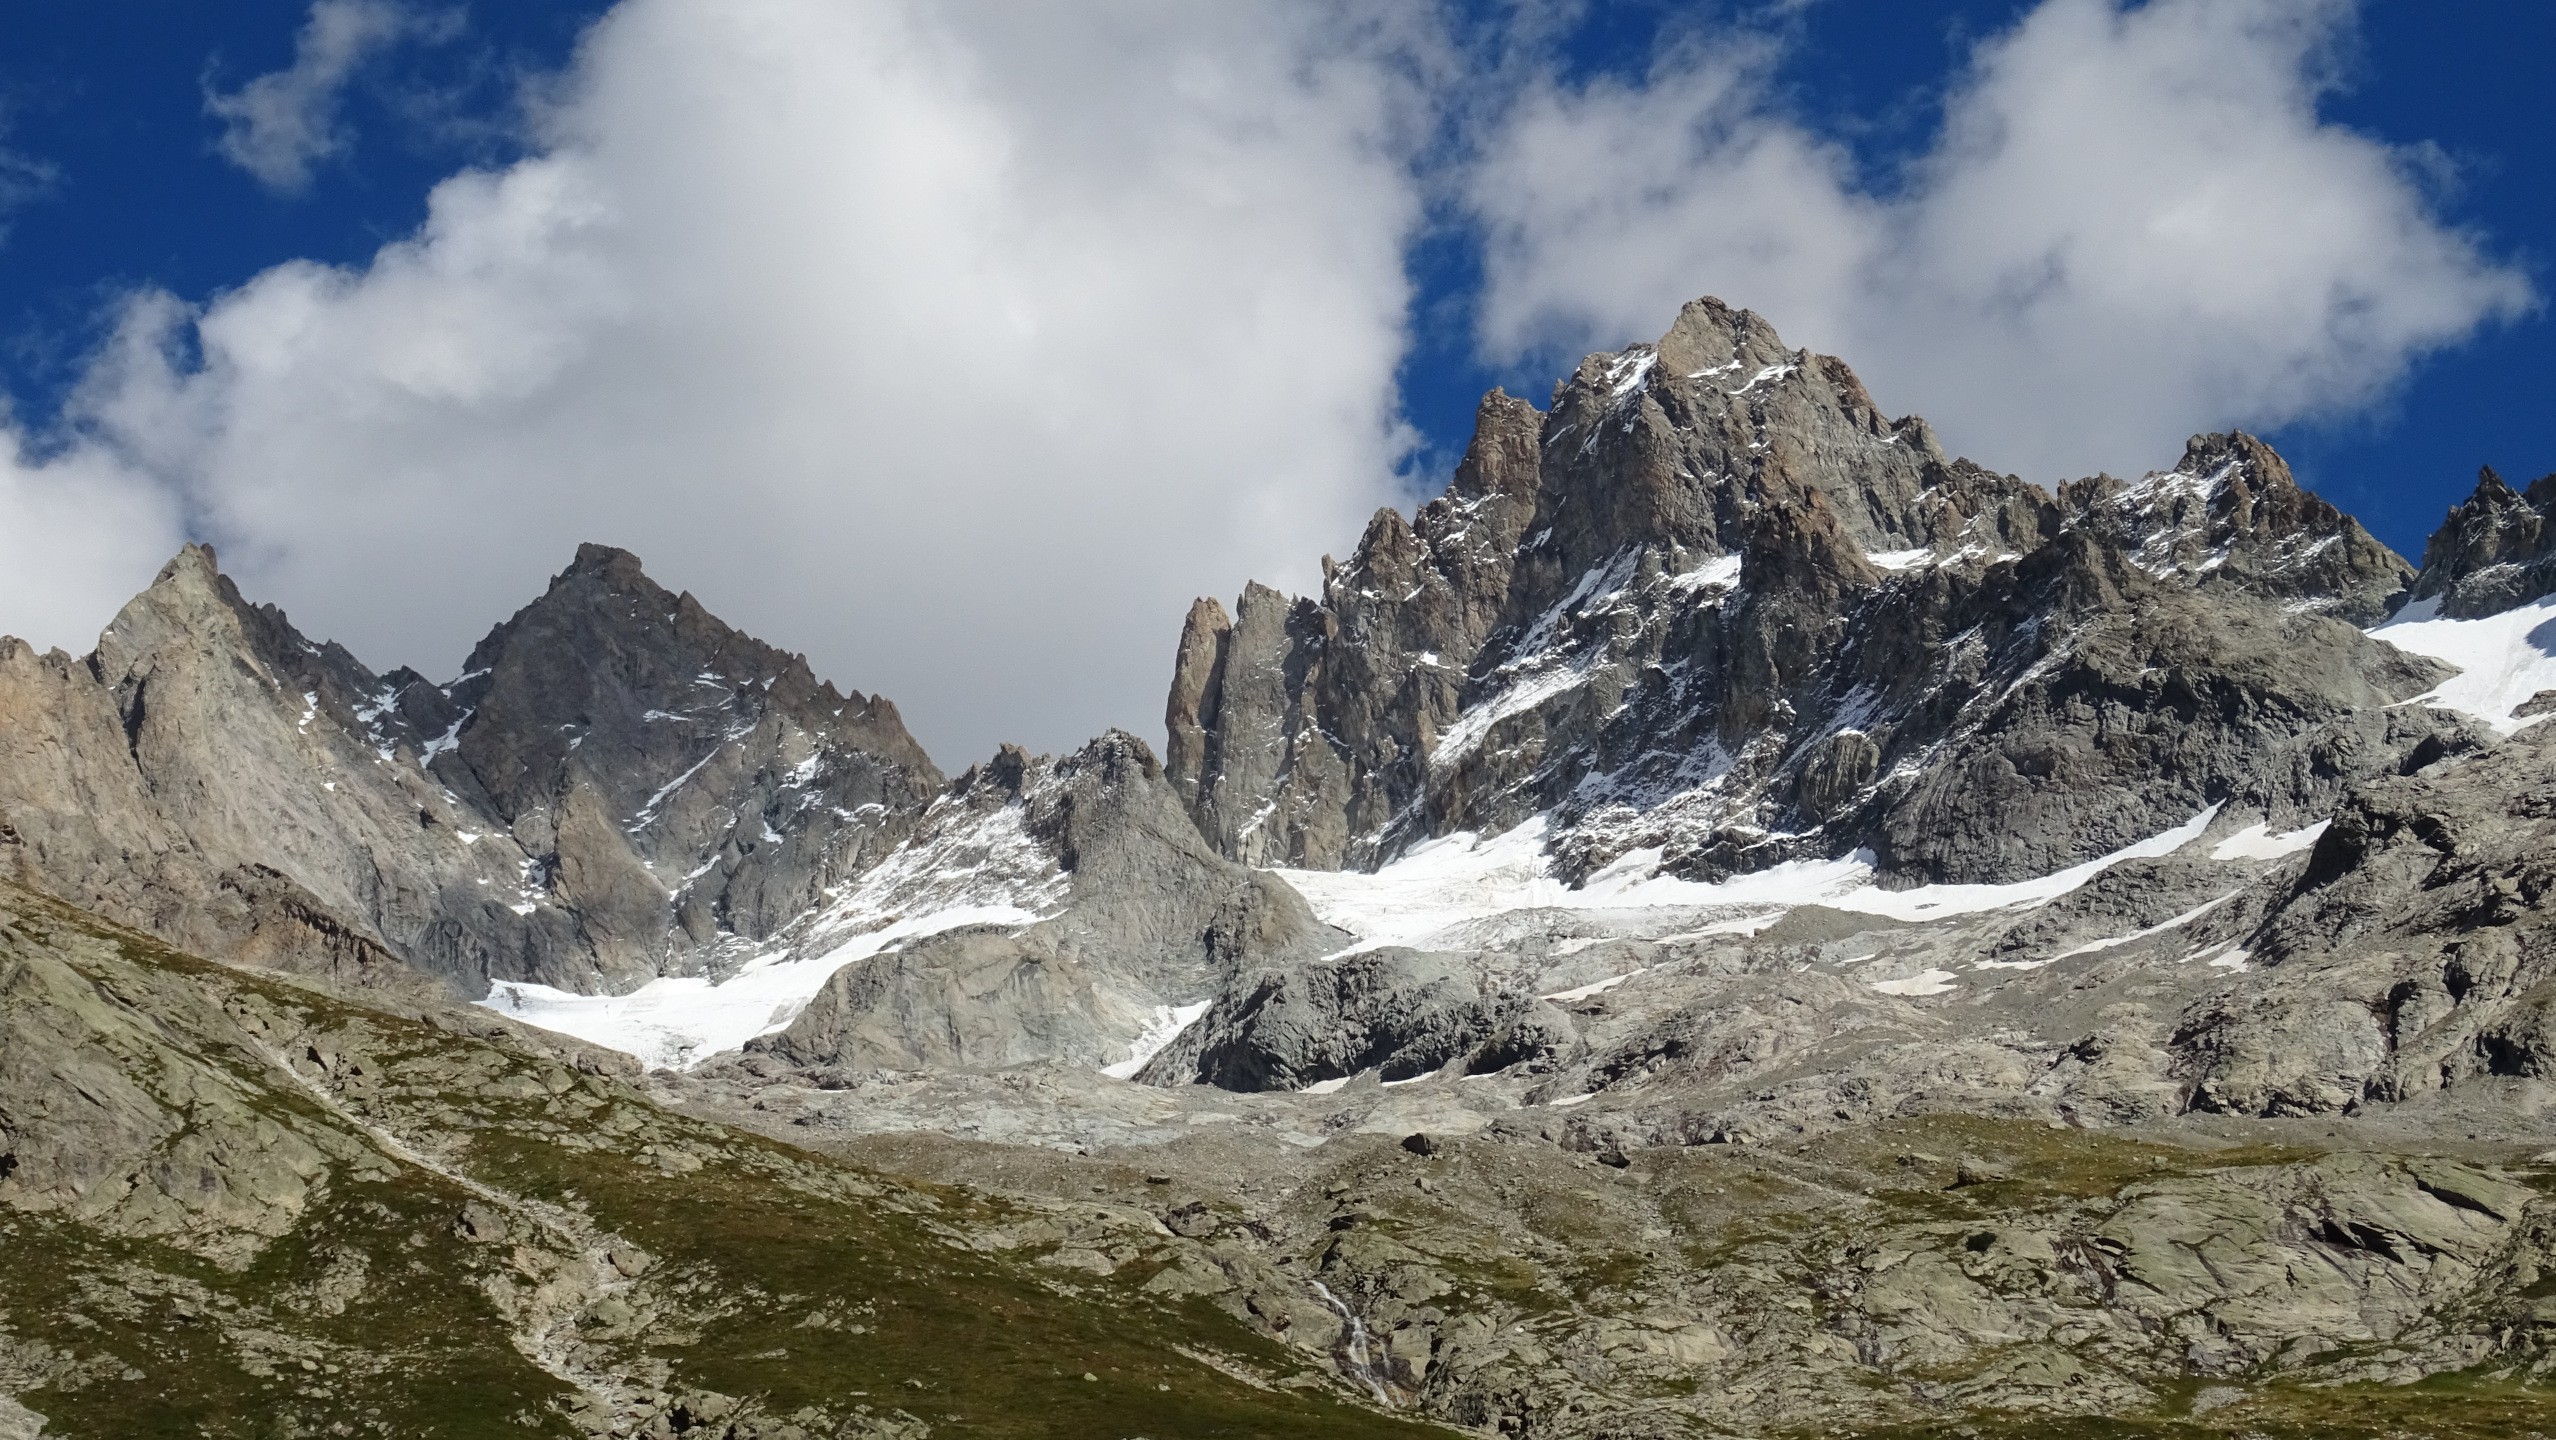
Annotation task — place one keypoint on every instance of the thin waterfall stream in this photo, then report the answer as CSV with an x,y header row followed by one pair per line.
x,y
1354,1334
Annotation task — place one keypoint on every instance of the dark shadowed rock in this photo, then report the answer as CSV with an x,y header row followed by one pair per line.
x,y
677,783
1399,1011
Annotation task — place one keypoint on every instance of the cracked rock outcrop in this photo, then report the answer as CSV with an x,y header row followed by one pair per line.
x,y
1713,604
620,786
2494,551
1151,920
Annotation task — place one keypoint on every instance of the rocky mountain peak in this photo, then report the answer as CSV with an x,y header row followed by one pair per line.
x,y
650,665
610,562
214,776
195,565
192,611
1709,335
1741,615
2494,551
620,786
2231,514
1007,773
669,773
1655,462
189,596
1190,709
605,597
1500,461
1672,445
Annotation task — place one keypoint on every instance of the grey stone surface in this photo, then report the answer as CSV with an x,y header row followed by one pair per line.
x,y
1151,918
2492,552
1713,604
2412,953
620,787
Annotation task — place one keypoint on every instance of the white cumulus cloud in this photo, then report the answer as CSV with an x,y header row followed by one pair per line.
x,y
2133,224
79,533
959,345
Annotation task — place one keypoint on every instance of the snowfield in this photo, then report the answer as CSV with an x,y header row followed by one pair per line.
x,y
2502,659
959,868
676,1022
1465,878
1438,896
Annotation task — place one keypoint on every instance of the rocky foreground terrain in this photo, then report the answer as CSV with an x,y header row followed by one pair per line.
x,y
1728,922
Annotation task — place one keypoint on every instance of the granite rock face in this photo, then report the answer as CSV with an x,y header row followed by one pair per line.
x,y
1146,920
1713,604
2493,552
620,787
678,785
1382,664
2414,953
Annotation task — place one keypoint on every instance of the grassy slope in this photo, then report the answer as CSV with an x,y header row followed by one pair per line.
x,y
749,1241
807,1286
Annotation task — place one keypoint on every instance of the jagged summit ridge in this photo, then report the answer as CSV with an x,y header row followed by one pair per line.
x,y
2494,551
620,785
2230,514
1715,604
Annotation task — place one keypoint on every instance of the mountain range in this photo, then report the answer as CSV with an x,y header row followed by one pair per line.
x,y
1729,920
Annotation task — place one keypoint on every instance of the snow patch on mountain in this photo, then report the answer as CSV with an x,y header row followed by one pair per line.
x,y
1530,690
1719,572
1439,887
961,856
2115,942
2262,842
2503,660
677,1021
1163,1028
965,865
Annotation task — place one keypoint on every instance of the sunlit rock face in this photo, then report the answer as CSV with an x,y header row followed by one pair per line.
x,y
2495,551
1714,604
619,786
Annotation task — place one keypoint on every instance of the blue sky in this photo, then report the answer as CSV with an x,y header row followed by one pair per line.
x,y
123,184
887,367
